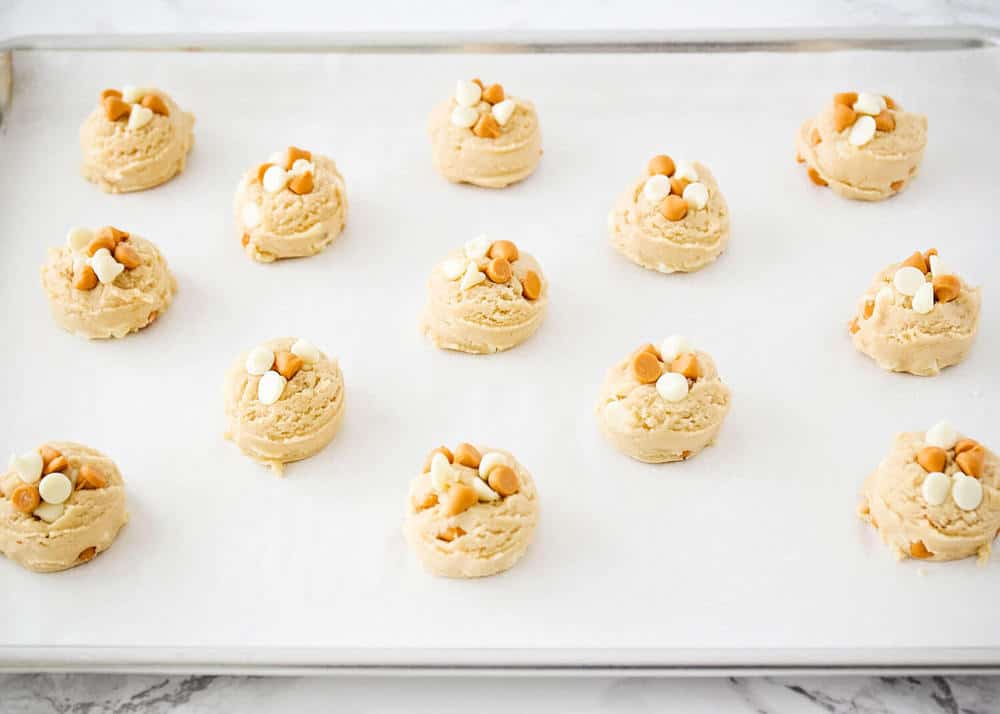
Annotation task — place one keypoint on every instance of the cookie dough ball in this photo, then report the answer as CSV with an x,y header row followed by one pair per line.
x,y
935,496
484,137
293,206
917,317
135,139
62,504
471,512
663,403
106,283
486,297
863,146
672,219
284,401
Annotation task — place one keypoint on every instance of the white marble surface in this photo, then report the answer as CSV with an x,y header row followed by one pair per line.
x,y
100,694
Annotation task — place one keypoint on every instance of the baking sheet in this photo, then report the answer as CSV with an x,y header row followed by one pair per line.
x,y
749,555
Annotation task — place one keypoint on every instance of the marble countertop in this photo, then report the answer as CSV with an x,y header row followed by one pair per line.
x,y
106,694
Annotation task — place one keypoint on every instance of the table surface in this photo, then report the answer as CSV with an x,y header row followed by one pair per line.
x,y
114,693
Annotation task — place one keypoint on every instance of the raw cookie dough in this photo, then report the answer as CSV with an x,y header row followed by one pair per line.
x,y
135,139
62,504
663,404
292,206
672,219
917,317
106,283
484,137
486,297
284,401
471,512
863,146
935,496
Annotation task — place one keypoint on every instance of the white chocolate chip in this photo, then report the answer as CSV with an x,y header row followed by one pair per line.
x,y
884,297
472,277
685,170
923,299
132,94
490,461
935,488
515,284
478,247
937,266
967,492
274,179
28,466
467,93
250,215
464,117
259,360
302,166
672,386
868,103
503,111
862,132
49,512
78,238
105,266
55,488
139,117
453,268
908,280
656,188
270,387
443,475
673,347
306,350
483,491
942,435
696,195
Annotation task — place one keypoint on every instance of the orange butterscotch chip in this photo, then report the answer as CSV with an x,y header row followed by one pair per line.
x,y
245,239
293,154
947,288
646,368
932,458
87,554
261,170
531,285
661,164
919,550
503,480
843,117
89,477
56,465
686,364
498,270
869,309
885,121
487,127
25,497
441,449
301,184
287,364
896,185
972,461
460,497
965,445
127,256
853,326
48,453
110,93
493,94
115,108
85,278
928,253
814,137
477,80
677,185
845,98
155,104
503,249
673,208
917,261
424,496
101,240
649,347
889,102
467,455
815,177
450,534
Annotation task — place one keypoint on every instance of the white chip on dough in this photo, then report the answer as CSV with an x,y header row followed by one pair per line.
x,y
270,387
467,93
443,475
453,268
49,512
78,238
868,103
259,360
490,461
935,488
943,435
696,195
923,299
483,491
884,297
55,488
937,266
250,215
132,94
685,170
967,492
28,466
274,179
672,386
862,132
656,188
478,247
503,111
139,117
464,117
473,276
105,266
306,350
908,280
674,346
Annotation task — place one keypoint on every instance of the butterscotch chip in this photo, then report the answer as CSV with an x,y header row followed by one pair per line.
x,y
424,497
972,461
846,98
686,364
101,240
261,170
503,480
442,449
25,497
110,93
869,309
112,233
87,554
48,453
843,117
896,185
947,288
965,445
677,186
287,364
293,154
493,94
498,270
477,80
115,108
59,463
917,261
814,137
853,326
885,121
928,253
531,285
919,550
301,184
661,164
156,104
460,497
450,534
932,458
815,177
673,208
487,127
127,256
504,249
85,279
89,477
889,102
649,347
467,455
646,368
